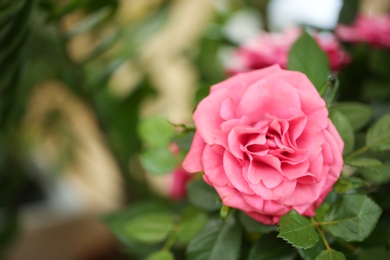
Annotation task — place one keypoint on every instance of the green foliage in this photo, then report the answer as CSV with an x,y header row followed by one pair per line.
x,y
375,175
378,136
352,217
364,162
191,222
307,57
203,196
217,240
345,130
270,247
345,184
298,230
348,11
161,255
159,160
358,114
330,255
149,228
253,226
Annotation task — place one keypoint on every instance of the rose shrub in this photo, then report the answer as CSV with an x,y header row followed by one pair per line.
x,y
373,30
273,48
265,143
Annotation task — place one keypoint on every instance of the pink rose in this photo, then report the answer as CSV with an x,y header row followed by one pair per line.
x,y
265,143
273,48
372,30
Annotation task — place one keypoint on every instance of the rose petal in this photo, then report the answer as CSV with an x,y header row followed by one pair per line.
x,y
259,172
192,162
213,167
233,171
207,116
260,99
232,198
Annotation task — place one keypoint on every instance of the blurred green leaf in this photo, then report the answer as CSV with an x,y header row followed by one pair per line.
x,y
149,228
352,217
307,57
158,160
364,162
378,136
298,230
375,175
161,255
184,140
191,222
217,240
332,255
345,130
203,196
117,222
253,226
358,114
376,88
348,11
373,253
155,131
270,247
345,184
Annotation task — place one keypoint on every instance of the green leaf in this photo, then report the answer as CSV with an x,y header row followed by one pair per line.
x,y
364,162
117,221
155,131
149,228
270,247
345,184
253,226
298,230
332,255
311,253
307,57
158,160
379,176
348,11
203,196
358,114
352,217
191,222
373,253
184,140
378,136
345,130
161,255
217,240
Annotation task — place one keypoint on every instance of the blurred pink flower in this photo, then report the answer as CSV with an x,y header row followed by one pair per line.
x,y
372,30
179,183
179,177
273,48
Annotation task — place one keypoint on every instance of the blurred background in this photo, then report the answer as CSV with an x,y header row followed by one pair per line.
x,y
76,79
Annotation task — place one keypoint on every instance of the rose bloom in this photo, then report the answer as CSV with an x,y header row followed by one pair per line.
x,y
372,30
265,143
273,48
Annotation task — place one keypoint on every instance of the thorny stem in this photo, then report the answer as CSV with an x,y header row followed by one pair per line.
x,y
322,235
